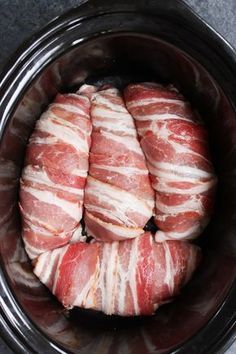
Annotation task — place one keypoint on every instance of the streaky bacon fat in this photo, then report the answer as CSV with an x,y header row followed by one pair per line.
x,y
127,278
119,199
54,176
175,144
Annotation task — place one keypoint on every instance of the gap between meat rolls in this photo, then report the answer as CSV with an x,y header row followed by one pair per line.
x,y
54,175
175,144
119,199
126,278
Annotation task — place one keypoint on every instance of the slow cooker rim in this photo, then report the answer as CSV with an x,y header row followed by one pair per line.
x,y
86,11
26,51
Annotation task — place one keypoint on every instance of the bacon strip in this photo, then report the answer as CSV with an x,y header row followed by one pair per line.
x,y
54,176
175,145
126,278
119,199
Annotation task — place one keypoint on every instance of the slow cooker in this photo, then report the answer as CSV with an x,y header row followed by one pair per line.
x,y
121,42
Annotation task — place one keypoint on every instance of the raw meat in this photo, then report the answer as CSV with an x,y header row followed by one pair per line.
x,y
119,199
54,176
175,144
127,278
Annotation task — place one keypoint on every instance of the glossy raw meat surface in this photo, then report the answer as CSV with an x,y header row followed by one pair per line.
x,y
175,144
54,176
127,278
119,199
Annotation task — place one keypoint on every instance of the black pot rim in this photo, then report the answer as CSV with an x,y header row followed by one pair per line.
x,y
214,340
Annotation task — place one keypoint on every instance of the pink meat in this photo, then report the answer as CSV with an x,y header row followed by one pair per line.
x,y
175,144
126,278
119,199
54,176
